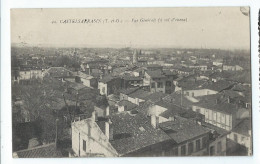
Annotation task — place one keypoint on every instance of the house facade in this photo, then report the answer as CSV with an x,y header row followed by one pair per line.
x,y
214,117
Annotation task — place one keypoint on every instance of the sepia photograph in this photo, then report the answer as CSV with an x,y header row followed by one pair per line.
x,y
131,82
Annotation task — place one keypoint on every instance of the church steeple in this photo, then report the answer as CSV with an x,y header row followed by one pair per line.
x,y
135,56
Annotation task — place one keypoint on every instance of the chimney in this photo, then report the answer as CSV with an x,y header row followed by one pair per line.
x,y
94,116
56,135
107,110
109,130
217,101
154,121
228,99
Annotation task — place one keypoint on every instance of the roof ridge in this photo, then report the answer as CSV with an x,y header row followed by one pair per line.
x,y
41,146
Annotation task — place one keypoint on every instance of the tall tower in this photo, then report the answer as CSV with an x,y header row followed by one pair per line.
x,y
135,56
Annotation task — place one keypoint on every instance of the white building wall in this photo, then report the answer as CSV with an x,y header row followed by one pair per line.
x,y
200,92
216,118
96,141
102,88
85,82
156,110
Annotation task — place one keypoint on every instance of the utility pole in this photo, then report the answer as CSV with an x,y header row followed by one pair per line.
x,y
76,104
181,98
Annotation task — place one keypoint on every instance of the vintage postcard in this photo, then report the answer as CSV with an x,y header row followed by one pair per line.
x,y
131,82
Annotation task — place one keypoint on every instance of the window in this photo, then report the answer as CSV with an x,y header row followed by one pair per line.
x,y
84,145
187,93
159,85
198,145
192,94
198,110
212,150
153,85
190,148
175,151
183,150
204,142
219,147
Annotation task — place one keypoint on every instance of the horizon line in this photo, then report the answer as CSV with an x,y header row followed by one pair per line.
x,y
119,46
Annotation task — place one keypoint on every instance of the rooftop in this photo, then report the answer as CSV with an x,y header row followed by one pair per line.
x,y
44,151
155,97
243,127
178,99
214,103
59,72
107,78
141,94
218,86
181,130
156,74
132,132
82,75
128,104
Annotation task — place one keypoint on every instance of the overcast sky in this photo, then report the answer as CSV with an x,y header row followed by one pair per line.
x,y
224,28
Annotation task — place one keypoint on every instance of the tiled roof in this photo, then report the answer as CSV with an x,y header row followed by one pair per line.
x,y
59,72
241,88
189,85
156,74
169,106
169,73
178,99
155,97
153,65
129,104
221,105
218,130
107,78
185,69
44,151
141,94
133,132
243,127
74,85
218,86
132,78
181,130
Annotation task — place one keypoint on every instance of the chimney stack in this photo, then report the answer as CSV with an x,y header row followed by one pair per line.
x,y
107,110
217,101
228,99
94,116
154,121
109,130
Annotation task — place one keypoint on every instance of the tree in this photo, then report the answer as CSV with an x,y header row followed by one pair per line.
x,y
67,61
